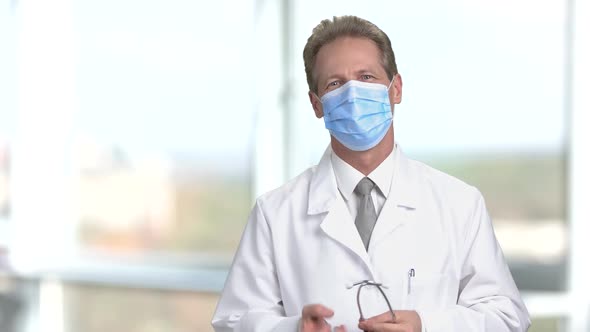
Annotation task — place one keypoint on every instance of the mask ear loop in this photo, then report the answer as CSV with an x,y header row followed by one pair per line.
x,y
316,95
390,83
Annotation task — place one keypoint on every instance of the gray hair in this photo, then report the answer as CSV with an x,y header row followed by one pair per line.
x,y
346,26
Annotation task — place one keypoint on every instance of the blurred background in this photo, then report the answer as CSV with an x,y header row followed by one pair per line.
x,y
135,136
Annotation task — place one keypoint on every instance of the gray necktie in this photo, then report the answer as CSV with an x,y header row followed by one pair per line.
x,y
366,215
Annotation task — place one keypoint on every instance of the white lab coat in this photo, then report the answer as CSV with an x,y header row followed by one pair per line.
x,y
301,246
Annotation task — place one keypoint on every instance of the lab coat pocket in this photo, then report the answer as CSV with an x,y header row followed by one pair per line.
x,y
427,292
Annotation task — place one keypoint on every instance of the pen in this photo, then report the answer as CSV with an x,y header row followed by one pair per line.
x,y
411,274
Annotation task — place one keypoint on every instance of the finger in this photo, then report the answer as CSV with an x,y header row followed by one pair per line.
x,y
382,318
340,328
316,311
315,325
326,328
381,327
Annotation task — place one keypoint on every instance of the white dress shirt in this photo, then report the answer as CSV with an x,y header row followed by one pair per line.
x,y
347,178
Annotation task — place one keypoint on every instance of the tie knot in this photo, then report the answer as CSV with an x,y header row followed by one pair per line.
x,y
364,187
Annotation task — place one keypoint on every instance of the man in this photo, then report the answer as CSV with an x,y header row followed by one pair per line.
x,y
368,239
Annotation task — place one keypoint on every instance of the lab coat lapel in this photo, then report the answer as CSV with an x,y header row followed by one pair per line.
x,y
324,197
338,224
401,204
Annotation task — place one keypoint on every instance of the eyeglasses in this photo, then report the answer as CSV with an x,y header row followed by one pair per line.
x,y
379,286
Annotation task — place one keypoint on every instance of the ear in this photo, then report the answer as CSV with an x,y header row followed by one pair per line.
x,y
316,103
395,92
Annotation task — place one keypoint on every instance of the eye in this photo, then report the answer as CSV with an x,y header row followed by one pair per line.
x,y
334,83
367,77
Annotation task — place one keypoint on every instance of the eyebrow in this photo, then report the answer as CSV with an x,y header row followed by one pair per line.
x,y
367,71
358,72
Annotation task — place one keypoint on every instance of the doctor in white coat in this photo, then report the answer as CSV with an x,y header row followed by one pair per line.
x,y
321,253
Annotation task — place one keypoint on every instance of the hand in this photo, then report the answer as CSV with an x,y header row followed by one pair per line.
x,y
405,321
313,319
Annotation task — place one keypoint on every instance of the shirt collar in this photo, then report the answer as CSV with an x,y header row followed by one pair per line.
x,y
347,177
383,174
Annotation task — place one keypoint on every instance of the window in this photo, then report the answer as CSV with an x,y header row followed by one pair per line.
x,y
133,153
165,127
147,132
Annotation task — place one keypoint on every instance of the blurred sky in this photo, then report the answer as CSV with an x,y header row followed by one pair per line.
x,y
177,75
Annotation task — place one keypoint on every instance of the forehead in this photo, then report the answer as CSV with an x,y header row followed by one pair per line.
x,y
347,54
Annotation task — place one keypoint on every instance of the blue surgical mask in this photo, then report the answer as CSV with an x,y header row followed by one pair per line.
x,y
358,114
